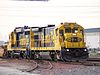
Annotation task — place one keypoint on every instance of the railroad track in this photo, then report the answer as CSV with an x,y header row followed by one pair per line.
x,y
44,64
92,62
33,68
47,65
88,62
40,64
94,59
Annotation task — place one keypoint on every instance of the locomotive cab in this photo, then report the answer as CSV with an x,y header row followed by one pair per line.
x,y
71,40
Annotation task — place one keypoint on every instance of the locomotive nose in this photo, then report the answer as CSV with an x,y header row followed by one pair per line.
x,y
73,39
73,42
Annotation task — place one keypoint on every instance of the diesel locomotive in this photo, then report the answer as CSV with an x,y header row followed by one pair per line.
x,y
65,42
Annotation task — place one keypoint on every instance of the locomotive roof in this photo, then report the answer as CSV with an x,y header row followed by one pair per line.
x,y
36,27
66,23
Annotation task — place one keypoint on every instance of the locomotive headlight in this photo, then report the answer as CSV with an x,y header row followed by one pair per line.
x,y
85,50
67,49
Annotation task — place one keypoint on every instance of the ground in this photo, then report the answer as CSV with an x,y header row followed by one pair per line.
x,y
19,66
11,71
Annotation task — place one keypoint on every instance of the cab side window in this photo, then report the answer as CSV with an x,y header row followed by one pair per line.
x,y
61,32
81,31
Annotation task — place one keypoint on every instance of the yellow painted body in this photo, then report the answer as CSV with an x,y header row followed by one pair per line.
x,y
12,41
59,42
55,38
1,52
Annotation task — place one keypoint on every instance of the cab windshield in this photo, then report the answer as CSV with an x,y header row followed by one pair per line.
x,y
68,30
74,30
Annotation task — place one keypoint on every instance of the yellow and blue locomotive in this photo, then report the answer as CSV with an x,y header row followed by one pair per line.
x,y
65,41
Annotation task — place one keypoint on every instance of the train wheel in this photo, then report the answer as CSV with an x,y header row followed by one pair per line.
x,y
8,53
86,56
11,54
65,57
32,55
24,54
21,56
36,55
5,54
53,56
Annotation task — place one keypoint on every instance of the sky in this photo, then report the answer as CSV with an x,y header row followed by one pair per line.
x,y
40,13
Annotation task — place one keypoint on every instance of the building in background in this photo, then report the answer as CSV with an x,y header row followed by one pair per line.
x,y
1,43
92,38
